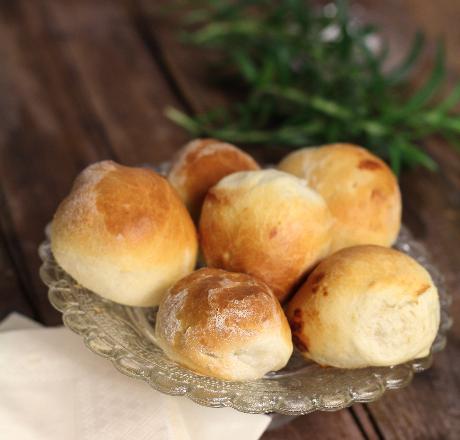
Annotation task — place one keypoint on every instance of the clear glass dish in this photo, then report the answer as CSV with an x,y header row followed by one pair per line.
x,y
125,336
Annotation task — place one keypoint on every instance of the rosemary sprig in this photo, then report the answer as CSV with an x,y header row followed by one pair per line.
x,y
310,76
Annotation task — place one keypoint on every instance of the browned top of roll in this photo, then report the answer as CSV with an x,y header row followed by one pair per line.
x,y
223,324
200,164
365,305
115,208
360,189
221,306
265,223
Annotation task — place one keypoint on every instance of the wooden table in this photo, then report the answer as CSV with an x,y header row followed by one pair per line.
x,y
85,80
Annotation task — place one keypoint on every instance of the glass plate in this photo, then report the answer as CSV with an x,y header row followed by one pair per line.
x,y
125,336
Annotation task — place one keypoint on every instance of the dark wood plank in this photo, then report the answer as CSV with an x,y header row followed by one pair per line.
x,y
366,421
34,168
12,295
78,85
13,287
188,68
159,23
318,425
65,83
431,211
399,20
122,84
430,407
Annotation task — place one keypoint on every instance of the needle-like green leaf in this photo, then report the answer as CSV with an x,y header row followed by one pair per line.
x,y
420,98
400,72
307,75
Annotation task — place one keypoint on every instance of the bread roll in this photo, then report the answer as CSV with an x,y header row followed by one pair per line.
x,y
365,306
359,188
266,223
124,233
200,164
225,325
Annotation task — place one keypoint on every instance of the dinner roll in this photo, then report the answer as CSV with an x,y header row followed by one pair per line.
x,y
266,223
365,306
124,233
222,324
359,188
201,164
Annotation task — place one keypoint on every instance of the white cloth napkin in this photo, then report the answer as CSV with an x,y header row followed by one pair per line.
x,y
52,387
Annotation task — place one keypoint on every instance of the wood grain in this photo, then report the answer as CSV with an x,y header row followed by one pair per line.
x,y
431,211
122,84
430,406
201,94
160,22
34,168
319,425
78,85
12,297
83,80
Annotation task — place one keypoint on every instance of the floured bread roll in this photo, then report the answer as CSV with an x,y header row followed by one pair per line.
x,y
200,164
359,188
124,233
268,224
225,325
365,306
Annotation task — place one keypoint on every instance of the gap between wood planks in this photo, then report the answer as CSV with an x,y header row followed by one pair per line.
x,y
70,96
431,209
65,100
15,285
73,91
360,414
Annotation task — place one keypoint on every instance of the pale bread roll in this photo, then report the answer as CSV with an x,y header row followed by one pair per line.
x,y
124,233
268,224
200,164
359,188
365,306
225,325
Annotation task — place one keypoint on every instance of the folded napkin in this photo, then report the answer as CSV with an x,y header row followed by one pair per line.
x,y
52,387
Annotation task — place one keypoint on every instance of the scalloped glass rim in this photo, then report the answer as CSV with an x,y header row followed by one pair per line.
x,y
125,336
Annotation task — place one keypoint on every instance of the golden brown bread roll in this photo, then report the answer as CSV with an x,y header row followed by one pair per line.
x,y
124,233
222,324
365,306
200,164
359,188
268,224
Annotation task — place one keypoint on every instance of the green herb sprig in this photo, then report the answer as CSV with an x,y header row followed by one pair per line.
x,y
309,76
